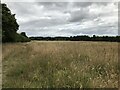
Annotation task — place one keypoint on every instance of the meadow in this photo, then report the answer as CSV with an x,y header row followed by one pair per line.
x,y
56,64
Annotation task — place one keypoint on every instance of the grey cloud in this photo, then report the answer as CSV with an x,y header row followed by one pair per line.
x,y
22,8
83,12
41,23
57,6
83,4
79,15
46,18
86,4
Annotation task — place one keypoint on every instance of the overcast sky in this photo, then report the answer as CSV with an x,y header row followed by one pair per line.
x,y
66,18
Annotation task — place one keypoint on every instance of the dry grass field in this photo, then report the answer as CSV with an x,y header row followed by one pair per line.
x,y
50,64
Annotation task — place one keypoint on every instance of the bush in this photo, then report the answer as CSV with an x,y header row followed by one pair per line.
x,y
20,38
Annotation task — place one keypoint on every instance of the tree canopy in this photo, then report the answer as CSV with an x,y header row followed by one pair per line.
x,y
10,26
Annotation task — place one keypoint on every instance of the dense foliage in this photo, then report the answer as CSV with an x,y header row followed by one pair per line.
x,y
10,27
80,38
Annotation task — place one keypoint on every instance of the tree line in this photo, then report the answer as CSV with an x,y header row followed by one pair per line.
x,y
80,38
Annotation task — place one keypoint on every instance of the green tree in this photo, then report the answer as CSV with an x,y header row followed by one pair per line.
x,y
9,25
